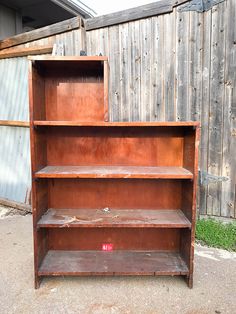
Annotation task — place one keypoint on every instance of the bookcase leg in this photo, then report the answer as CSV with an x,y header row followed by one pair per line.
x,y
37,281
189,281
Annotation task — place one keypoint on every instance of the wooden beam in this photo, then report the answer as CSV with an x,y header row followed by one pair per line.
x,y
69,58
20,52
43,32
23,124
17,205
144,11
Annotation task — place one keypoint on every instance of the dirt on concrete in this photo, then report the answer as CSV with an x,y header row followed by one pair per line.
x,y
214,283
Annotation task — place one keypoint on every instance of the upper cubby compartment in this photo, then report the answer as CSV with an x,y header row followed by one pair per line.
x,y
69,88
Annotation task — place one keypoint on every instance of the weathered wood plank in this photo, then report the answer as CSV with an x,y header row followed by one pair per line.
x,y
67,39
182,59
124,72
91,42
157,81
23,124
195,69
145,46
19,206
216,108
20,52
79,40
204,143
46,31
118,262
228,201
114,60
148,10
135,70
118,218
58,50
195,65
126,172
169,66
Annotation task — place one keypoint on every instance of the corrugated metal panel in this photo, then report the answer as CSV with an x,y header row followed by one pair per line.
x,y
14,89
15,181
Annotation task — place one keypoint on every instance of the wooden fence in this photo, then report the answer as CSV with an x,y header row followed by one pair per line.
x,y
180,66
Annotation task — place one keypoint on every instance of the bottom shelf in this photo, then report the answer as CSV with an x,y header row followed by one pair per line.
x,y
74,263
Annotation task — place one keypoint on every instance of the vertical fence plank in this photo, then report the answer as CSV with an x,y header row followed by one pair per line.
x,y
195,65
195,70
216,108
135,70
204,143
124,72
145,44
182,59
114,59
169,66
228,202
157,103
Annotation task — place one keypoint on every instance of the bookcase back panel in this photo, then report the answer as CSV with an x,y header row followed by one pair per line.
x,y
74,98
114,146
122,239
115,193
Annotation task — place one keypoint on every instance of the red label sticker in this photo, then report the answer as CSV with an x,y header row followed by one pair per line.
x,y
107,247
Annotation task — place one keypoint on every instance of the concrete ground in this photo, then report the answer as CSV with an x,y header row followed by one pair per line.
x,y
214,283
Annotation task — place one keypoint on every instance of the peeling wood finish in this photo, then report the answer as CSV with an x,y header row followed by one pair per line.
x,y
126,172
113,218
108,264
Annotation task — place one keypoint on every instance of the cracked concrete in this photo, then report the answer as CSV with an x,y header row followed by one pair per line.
x,y
214,284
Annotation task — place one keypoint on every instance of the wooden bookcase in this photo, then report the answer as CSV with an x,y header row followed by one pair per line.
x,y
108,198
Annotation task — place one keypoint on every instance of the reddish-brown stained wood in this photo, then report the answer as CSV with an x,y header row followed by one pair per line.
x,y
132,218
80,82
74,263
188,237
121,238
116,124
127,172
114,193
85,95
128,146
39,191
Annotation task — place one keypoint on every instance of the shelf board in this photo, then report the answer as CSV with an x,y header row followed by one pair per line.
x,y
114,124
74,263
131,218
125,172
